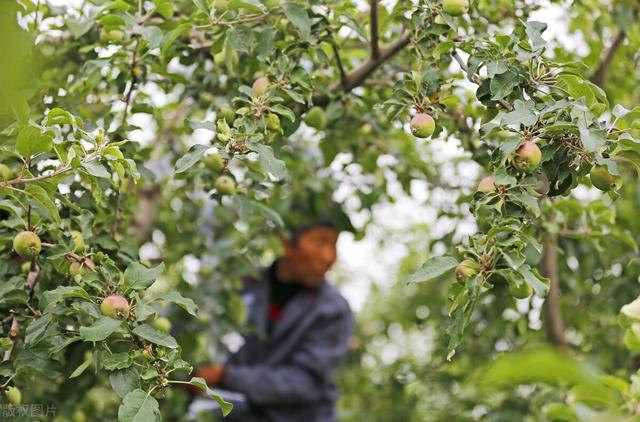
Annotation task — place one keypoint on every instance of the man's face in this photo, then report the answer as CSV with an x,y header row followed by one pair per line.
x,y
312,256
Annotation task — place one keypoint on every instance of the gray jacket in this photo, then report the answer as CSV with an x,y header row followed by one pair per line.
x,y
288,376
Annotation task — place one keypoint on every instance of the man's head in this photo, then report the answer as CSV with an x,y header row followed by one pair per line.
x,y
309,253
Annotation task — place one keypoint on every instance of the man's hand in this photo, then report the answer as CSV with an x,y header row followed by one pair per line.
x,y
212,374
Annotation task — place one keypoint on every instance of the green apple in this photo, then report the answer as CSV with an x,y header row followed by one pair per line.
x,y
455,7
27,244
528,157
115,306
225,185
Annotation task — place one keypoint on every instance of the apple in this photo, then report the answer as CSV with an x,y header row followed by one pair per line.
x,y
273,123
601,178
27,244
14,395
455,7
115,306
487,185
214,162
228,114
111,35
260,86
78,241
163,324
528,157
76,268
5,172
25,267
225,185
520,292
466,269
221,5
316,118
422,125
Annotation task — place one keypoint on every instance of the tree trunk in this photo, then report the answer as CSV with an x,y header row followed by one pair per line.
x,y
553,316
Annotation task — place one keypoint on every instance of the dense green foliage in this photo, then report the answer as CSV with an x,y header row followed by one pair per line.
x,y
154,147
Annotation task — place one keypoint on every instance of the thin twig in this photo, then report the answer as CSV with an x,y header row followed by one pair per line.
x,y
375,48
343,75
600,75
358,75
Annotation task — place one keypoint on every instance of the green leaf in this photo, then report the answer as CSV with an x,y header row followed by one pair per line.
x,y
31,141
138,277
80,369
79,27
299,17
225,406
100,330
124,381
268,161
51,298
41,196
187,161
503,84
96,169
241,38
534,31
434,267
149,333
185,303
116,361
139,406
523,114
20,108
251,6
539,284
164,8
592,139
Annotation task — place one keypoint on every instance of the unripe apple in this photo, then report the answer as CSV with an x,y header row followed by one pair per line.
x,y
487,185
527,157
214,162
76,268
273,123
601,178
5,172
115,306
79,416
260,86
466,269
225,185
163,324
221,5
455,7
27,244
520,292
111,35
25,267
228,114
78,241
14,395
422,125
316,118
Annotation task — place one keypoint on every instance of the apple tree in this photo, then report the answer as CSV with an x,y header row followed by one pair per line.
x,y
151,149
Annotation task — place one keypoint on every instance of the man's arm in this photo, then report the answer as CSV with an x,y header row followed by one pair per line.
x,y
313,364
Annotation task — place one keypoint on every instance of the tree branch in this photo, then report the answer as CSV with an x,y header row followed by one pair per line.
x,y
600,75
358,75
343,75
553,316
375,48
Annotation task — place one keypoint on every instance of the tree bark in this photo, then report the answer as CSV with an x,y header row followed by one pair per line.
x,y
553,316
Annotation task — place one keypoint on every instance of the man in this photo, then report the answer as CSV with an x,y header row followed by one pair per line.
x,y
303,327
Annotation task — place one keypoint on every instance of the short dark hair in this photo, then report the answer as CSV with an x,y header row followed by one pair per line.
x,y
295,233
